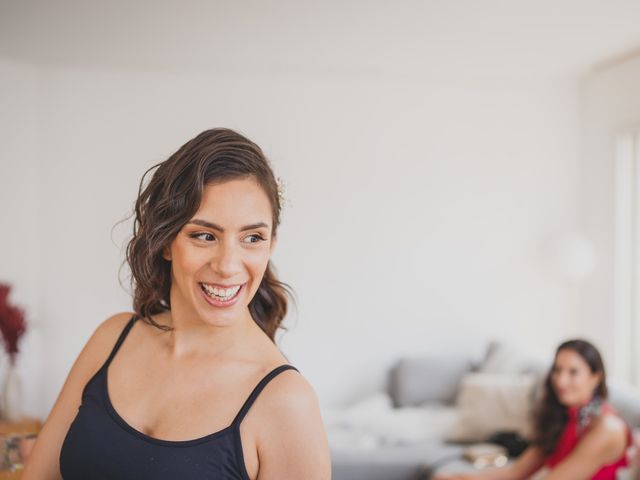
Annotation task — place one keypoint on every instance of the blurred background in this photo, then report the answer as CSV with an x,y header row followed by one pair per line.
x,y
456,171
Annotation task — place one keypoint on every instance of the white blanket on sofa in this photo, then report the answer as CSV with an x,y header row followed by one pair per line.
x,y
373,422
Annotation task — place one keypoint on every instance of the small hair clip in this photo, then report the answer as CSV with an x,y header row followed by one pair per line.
x,y
281,191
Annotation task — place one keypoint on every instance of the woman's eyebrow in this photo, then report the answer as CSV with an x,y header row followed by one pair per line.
x,y
213,226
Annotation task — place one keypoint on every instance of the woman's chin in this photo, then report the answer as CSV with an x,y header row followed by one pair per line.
x,y
570,402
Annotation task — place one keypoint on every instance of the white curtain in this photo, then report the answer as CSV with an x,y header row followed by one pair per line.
x,y
627,254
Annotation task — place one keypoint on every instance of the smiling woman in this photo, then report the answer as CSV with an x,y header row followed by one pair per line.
x,y
224,265
191,385
578,434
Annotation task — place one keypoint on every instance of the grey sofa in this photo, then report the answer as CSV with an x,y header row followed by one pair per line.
x,y
429,379
411,381
411,462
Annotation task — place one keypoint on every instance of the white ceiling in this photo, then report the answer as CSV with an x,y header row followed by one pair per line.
x,y
539,38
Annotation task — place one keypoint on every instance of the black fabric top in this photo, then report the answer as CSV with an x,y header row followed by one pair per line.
x,y
100,445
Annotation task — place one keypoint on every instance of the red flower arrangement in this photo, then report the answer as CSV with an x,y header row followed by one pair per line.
x,y
12,323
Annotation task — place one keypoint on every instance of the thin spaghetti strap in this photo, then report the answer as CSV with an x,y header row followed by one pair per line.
x,y
123,335
256,391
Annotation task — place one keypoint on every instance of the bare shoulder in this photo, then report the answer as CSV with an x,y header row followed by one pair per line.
x,y
44,460
289,390
288,397
112,325
610,428
97,348
607,437
104,337
291,440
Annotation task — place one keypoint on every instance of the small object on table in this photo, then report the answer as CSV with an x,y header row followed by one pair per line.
x,y
16,442
484,455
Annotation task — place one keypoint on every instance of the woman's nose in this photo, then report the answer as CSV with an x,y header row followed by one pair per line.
x,y
227,262
561,380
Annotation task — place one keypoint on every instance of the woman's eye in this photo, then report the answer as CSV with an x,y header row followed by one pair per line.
x,y
207,237
255,238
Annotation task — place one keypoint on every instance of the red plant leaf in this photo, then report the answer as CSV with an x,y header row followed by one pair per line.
x,y
12,322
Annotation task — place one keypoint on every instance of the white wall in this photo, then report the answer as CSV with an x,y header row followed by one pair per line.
x,y
417,207
22,237
611,99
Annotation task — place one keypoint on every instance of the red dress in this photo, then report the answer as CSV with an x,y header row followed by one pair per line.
x,y
570,437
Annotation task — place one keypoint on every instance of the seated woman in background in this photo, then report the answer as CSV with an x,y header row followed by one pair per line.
x,y
578,435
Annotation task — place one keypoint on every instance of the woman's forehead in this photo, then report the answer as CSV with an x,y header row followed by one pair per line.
x,y
235,201
570,356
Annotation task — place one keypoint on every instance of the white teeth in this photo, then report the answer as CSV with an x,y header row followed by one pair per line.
x,y
221,293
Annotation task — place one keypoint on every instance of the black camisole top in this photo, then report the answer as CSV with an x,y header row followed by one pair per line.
x,y
100,445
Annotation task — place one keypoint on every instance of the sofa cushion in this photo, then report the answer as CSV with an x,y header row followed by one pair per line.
x,y
491,402
626,400
503,358
415,381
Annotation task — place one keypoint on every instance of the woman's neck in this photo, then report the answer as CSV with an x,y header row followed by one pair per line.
x,y
191,336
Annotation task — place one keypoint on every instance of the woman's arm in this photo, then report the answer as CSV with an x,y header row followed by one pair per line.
x,y
525,465
291,440
604,443
43,462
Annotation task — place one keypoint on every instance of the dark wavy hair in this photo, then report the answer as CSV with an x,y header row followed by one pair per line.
x,y
171,198
552,416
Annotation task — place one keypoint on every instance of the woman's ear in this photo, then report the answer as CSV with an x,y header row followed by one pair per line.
x,y
166,253
597,380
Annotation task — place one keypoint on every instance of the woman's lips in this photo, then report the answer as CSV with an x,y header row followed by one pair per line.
x,y
220,302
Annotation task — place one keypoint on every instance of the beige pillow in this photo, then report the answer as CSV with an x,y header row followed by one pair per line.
x,y
491,402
